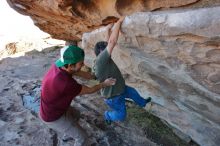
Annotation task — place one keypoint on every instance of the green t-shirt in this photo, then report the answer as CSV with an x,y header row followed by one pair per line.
x,y
105,68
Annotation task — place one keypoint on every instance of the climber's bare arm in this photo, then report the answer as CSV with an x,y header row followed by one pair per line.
x,y
85,75
109,28
114,35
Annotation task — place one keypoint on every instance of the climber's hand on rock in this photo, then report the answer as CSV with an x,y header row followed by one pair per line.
x,y
109,26
121,19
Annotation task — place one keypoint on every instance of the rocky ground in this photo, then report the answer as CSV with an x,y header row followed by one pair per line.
x,y
20,79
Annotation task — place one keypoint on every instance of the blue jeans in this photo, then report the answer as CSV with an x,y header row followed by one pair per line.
x,y
118,107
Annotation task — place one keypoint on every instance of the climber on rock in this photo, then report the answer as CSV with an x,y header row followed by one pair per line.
x,y
58,90
105,67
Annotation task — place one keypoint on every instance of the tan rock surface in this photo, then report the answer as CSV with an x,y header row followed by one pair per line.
x,y
172,56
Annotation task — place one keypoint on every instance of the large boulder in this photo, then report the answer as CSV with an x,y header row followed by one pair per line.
x,y
173,56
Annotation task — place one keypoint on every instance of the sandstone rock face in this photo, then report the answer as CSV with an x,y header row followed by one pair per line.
x,y
68,19
173,56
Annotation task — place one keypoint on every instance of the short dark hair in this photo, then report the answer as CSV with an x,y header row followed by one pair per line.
x,y
99,47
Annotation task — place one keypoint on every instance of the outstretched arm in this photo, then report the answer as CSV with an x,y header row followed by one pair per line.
x,y
85,75
109,27
89,90
114,35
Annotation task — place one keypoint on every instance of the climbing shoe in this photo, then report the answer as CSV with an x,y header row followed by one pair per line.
x,y
108,122
148,100
148,105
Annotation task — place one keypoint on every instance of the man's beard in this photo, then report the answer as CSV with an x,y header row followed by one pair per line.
x,y
75,70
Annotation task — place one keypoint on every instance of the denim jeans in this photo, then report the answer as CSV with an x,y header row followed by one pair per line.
x,y
117,104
